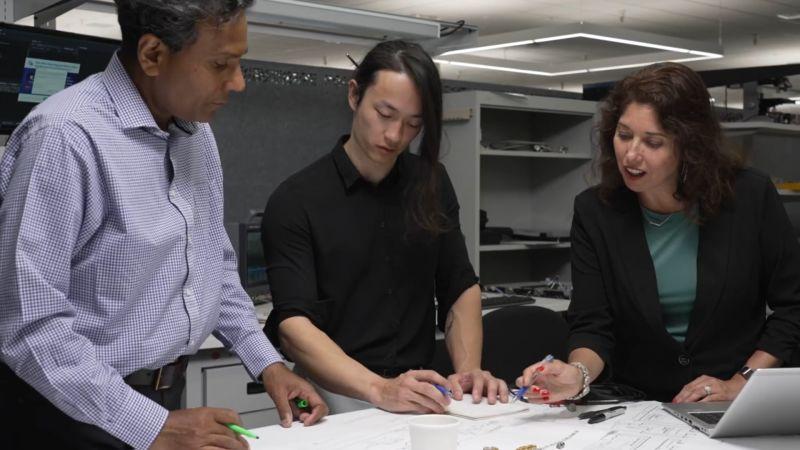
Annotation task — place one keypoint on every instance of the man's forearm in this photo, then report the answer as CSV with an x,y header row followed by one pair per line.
x,y
464,331
326,362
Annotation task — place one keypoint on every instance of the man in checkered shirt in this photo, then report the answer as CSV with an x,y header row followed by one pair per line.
x,y
114,261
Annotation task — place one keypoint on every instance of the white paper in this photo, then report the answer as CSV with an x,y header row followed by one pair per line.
x,y
467,409
644,426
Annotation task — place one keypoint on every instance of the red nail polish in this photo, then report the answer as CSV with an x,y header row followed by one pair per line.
x,y
535,389
540,368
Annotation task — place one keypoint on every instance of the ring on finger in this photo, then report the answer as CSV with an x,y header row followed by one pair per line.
x,y
707,389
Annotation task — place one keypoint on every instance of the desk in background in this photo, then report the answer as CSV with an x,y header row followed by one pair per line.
x,y
216,377
645,426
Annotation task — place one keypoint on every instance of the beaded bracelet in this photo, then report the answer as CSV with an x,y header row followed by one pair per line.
x,y
585,373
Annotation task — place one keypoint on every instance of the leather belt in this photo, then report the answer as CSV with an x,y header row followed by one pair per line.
x,y
162,378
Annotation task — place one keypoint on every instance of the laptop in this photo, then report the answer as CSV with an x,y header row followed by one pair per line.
x,y
768,404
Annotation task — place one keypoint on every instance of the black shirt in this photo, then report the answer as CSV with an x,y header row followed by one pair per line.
x,y
342,252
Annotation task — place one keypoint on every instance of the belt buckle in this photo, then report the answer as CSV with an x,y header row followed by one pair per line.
x,y
164,377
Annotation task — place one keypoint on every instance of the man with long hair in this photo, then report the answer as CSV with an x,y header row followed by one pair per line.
x,y
359,244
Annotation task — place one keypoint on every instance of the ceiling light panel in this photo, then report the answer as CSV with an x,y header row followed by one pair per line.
x,y
540,48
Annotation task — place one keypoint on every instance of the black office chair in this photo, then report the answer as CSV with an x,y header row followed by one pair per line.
x,y
514,337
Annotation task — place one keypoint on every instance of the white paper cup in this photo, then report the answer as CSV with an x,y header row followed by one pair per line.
x,y
434,432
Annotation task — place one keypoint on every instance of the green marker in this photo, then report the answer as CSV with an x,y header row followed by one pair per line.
x,y
242,431
301,403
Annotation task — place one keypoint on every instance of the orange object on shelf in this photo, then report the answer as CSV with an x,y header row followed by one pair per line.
x,y
789,186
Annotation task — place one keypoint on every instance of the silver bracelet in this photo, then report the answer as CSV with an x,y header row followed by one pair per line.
x,y
585,389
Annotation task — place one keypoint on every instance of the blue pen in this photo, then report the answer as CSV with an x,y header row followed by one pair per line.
x,y
446,392
521,391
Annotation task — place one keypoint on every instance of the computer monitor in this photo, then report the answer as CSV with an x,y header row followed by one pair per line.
x,y
36,63
256,266
246,241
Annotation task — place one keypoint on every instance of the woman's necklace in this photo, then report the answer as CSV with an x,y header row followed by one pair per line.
x,y
649,216
658,224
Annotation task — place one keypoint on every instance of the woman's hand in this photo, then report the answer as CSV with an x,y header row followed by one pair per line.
x,y
551,382
709,389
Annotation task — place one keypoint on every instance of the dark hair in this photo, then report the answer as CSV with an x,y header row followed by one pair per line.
x,y
172,21
410,59
682,104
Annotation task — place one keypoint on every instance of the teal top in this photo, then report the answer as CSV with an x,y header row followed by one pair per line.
x,y
673,240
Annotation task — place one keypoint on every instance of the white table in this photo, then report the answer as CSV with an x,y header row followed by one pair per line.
x,y
644,426
216,377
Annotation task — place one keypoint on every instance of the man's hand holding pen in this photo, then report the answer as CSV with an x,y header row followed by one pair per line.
x,y
413,391
550,381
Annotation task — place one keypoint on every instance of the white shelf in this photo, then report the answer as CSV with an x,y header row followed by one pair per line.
x,y
789,196
548,105
532,190
761,127
530,154
523,245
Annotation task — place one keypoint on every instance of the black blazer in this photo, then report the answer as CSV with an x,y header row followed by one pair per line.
x,y
748,257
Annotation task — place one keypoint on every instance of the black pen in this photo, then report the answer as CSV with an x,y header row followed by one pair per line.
x,y
590,414
597,418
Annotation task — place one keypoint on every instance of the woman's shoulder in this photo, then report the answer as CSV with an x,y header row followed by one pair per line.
x,y
588,199
748,179
751,187
592,199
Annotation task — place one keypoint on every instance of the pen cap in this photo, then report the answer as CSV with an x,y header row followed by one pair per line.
x,y
434,431
601,417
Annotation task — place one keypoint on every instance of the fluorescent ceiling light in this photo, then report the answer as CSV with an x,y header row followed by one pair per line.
x,y
508,69
699,58
635,43
312,35
624,66
567,72
587,36
488,47
695,51
789,16
337,20
289,15
558,38
706,54
488,67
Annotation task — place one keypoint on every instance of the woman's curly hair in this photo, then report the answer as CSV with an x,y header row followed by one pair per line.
x,y
684,110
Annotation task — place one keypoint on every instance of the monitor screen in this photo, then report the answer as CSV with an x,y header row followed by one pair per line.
x,y
256,266
246,241
36,63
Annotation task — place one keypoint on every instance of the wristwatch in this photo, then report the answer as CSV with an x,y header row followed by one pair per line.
x,y
746,372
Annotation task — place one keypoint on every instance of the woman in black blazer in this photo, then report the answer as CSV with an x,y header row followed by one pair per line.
x,y
675,255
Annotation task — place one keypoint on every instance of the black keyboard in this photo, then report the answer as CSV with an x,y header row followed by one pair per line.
x,y
711,418
506,300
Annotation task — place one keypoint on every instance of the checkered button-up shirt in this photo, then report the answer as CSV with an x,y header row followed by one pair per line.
x,y
113,254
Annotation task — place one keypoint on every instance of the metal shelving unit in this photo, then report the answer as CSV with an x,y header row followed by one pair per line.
x,y
524,190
